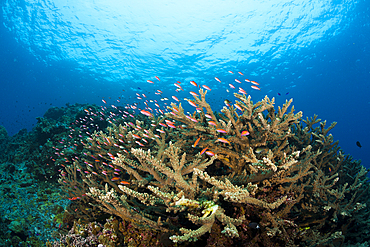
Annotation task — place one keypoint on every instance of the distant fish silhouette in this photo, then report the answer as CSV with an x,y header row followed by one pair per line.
x,y
285,93
358,144
254,225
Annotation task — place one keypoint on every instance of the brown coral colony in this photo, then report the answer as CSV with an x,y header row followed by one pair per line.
x,y
254,175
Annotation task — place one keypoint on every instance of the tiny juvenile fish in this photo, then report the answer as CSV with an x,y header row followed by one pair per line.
x,y
259,150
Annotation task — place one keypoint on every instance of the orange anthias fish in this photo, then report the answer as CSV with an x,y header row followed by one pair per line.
x,y
150,81
175,109
156,77
171,126
206,87
192,103
191,118
223,140
218,79
203,150
177,85
244,133
212,123
146,113
221,131
238,107
194,94
193,83
196,142
136,136
140,143
241,90
168,121
254,87
124,182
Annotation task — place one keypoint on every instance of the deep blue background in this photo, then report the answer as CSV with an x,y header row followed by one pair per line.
x,y
330,78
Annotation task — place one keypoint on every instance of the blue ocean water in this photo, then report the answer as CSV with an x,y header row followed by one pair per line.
x,y
316,52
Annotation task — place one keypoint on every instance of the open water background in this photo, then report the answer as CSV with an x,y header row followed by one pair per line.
x,y
54,52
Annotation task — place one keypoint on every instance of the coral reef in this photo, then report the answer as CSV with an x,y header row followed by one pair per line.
x,y
32,209
252,173
3,133
28,207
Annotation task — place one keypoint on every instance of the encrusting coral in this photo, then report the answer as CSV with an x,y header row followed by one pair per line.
x,y
257,172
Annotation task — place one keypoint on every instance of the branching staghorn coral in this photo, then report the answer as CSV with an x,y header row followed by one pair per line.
x,y
262,165
164,178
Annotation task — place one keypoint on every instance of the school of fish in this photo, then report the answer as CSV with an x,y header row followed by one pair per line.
x,y
148,108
